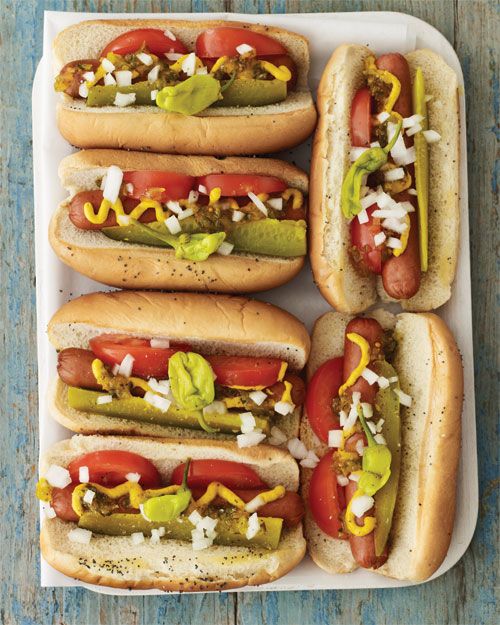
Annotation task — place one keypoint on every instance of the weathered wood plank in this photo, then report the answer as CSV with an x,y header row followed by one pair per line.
x,y
466,593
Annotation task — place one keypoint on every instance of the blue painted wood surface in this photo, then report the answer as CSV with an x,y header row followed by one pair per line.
x,y
464,595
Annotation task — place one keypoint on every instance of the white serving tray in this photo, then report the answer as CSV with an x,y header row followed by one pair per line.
x,y
56,283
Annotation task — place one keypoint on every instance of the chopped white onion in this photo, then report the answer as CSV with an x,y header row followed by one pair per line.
x,y
258,202
431,136
379,238
367,410
407,206
160,343
404,399
308,463
57,476
129,188
145,59
361,504
169,34
354,477
133,477
83,475
248,422
352,417
154,94
126,365
202,70
394,243
237,216
161,531
342,480
123,78
360,448
174,206
187,212
104,399
394,174
258,397
194,517
251,439
382,382
123,220
412,192
335,438
79,535
394,224
276,203
370,376
355,153
342,418
384,200
393,379
216,407
124,99
254,504
173,224
173,56
379,424
397,213
371,427
207,524
382,117
244,48
369,199
89,76
363,217
413,130
356,398
202,189
154,73
253,526
284,407
88,498
107,65
278,435
162,403
155,537
109,80
409,157
49,512
189,64
225,248
408,122
375,144
379,438
297,448
137,538
193,196
115,370
83,90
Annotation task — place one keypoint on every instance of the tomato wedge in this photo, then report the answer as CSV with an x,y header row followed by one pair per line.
x,y
238,185
110,467
175,186
321,391
362,237
231,474
326,497
149,362
245,371
223,41
154,40
361,126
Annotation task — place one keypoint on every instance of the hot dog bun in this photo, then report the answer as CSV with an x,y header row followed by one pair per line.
x,y
171,565
337,278
220,130
125,265
429,367
211,323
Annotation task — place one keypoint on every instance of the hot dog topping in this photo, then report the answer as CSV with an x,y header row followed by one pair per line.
x,y
379,81
364,360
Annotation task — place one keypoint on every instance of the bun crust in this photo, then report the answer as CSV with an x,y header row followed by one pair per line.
x,y
125,265
335,274
223,130
429,367
172,565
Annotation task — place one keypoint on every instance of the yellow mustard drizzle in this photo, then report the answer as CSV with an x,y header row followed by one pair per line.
x,y
350,519
282,371
272,495
371,69
280,73
218,64
287,393
106,206
404,238
364,346
298,198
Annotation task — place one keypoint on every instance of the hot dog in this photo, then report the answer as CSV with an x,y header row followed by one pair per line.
x,y
137,220
377,224
183,87
393,402
128,371
110,501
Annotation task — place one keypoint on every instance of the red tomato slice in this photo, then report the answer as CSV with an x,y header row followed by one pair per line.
x,y
61,502
238,185
231,474
362,238
223,41
361,127
245,371
110,467
176,186
321,391
326,497
155,41
149,362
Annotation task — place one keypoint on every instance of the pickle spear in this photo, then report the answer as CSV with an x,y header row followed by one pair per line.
x,y
253,92
105,95
422,167
136,409
231,529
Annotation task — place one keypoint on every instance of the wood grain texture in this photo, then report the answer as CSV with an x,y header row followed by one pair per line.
x,y
466,594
